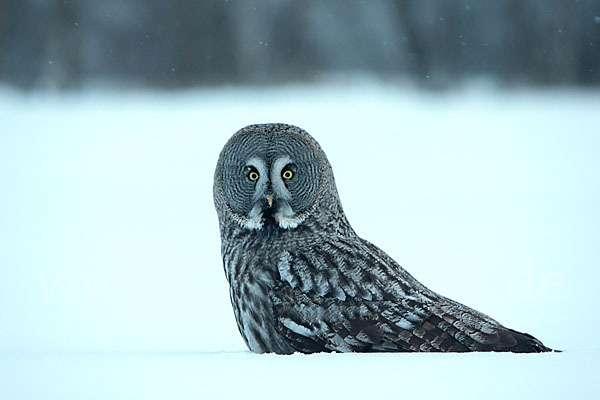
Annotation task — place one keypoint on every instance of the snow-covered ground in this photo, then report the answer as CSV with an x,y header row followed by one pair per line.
x,y
111,284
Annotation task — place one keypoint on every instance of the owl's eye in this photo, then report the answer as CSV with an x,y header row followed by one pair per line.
x,y
253,174
287,174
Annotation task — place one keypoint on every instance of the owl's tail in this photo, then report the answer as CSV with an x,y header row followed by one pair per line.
x,y
527,343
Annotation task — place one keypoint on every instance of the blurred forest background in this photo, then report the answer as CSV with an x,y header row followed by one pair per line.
x,y
68,44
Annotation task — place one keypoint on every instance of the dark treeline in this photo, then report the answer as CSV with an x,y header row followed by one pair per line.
x,y
178,43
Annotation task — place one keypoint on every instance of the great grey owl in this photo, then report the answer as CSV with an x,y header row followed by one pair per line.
x,y
301,280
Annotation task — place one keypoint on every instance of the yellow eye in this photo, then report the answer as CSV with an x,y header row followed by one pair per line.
x,y
253,176
287,174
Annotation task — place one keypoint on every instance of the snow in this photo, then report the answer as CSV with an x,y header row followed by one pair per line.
x,y
111,283
243,375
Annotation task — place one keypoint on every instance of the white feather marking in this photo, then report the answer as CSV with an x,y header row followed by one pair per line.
x,y
288,223
404,324
276,181
340,343
286,218
297,328
254,220
285,271
339,294
401,322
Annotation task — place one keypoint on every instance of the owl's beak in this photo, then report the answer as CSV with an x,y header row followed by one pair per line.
x,y
270,201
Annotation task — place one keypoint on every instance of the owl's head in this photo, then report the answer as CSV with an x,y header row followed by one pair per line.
x,y
272,174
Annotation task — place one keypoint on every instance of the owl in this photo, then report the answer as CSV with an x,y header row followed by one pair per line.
x,y
301,279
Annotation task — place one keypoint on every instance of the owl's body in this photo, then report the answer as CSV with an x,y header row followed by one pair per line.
x,y
302,280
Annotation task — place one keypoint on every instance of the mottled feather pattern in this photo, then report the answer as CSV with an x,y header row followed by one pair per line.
x,y
361,310
315,286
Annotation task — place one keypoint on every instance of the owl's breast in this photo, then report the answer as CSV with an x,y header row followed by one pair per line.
x,y
252,274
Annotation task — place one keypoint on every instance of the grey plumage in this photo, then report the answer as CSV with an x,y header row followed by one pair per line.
x,y
302,280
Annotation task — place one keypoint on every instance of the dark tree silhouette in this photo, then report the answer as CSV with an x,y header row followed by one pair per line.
x,y
180,43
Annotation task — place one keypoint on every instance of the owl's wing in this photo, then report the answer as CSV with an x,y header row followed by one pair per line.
x,y
351,296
